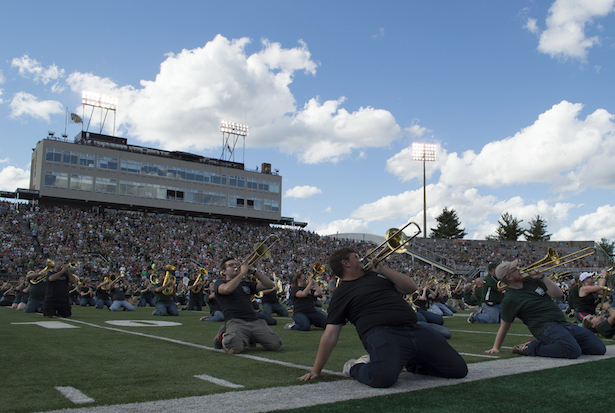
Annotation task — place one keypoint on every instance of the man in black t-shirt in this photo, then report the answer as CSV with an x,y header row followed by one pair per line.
x,y
372,301
242,326
57,298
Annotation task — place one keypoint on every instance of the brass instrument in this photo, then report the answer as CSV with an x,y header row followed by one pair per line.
x,y
153,279
559,276
395,242
261,250
552,260
317,269
49,265
111,279
200,279
167,276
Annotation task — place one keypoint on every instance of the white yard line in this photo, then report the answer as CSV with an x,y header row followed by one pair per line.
x,y
289,397
74,395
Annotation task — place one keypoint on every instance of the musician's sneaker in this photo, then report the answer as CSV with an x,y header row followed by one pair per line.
x,y
471,319
521,349
289,326
218,340
353,362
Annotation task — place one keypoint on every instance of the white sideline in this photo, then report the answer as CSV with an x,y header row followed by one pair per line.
x,y
264,400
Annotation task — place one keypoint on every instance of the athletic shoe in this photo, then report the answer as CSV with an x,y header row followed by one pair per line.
x,y
521,349
204,318
289,326
471,318
353,362
218,340
154,312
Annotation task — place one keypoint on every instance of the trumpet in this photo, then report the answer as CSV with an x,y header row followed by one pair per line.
x,y
395,242
49,265
199,279
261,250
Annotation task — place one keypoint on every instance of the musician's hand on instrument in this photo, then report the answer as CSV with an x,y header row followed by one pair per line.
x,y
535,274
309,376
493,350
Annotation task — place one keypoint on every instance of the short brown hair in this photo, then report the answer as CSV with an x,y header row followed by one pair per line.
x,y
335,260
587,323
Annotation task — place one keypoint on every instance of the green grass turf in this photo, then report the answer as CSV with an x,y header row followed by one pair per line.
x,y
114,367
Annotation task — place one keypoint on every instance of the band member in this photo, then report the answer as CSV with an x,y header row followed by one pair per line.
x,y
87,294
215,310
372,301
303,293
271,304
589,294
600,324
195,303
102,296
57,298
146,296
165,301
242,326
36,298
531,300
491,299
21,294
118,296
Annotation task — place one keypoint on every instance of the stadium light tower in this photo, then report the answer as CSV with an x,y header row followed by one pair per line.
x,y
424,152
104,103
230,134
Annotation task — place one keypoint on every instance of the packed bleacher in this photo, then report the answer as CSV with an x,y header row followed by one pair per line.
x,y
103,243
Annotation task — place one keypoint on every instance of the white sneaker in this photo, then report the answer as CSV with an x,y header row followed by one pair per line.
x,y
352,362
289,326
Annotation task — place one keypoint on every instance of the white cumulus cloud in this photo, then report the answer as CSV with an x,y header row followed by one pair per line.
x,y
25,104
565,35
305,191
12,178
182,107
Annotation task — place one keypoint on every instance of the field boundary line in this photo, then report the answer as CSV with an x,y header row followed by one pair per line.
x,y
295,396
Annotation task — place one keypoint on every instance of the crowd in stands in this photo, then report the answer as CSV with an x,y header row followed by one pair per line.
x,y
105,243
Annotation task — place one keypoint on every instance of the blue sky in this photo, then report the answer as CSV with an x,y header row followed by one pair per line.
x,y
517,96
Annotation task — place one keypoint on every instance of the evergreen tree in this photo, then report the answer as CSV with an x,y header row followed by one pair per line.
x,y
448,226
607,246
538,230
509,229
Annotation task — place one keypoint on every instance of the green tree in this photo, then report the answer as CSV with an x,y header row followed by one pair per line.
x,y
538,230
607,246
509,229
448,226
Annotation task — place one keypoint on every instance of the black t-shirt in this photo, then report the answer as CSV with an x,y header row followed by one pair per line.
x,y
118,293
302,304
237,304
271,297
57,291
368,302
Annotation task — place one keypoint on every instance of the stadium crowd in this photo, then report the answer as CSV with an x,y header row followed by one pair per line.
x,y
139,245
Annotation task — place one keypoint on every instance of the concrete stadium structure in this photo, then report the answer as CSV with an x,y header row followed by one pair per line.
x,y
99,172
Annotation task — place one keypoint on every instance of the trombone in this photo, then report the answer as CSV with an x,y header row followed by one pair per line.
x,y
552,260
395,242
261,250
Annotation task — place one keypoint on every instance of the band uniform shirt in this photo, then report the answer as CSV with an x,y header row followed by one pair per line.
x,y
532,305
57,291
588,303
38,291
490,292
369,302
237,304
302,304
160,297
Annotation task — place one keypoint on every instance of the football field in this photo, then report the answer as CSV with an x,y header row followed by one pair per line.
x,y
102,361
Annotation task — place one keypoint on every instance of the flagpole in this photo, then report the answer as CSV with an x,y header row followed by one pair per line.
x,y
66,122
